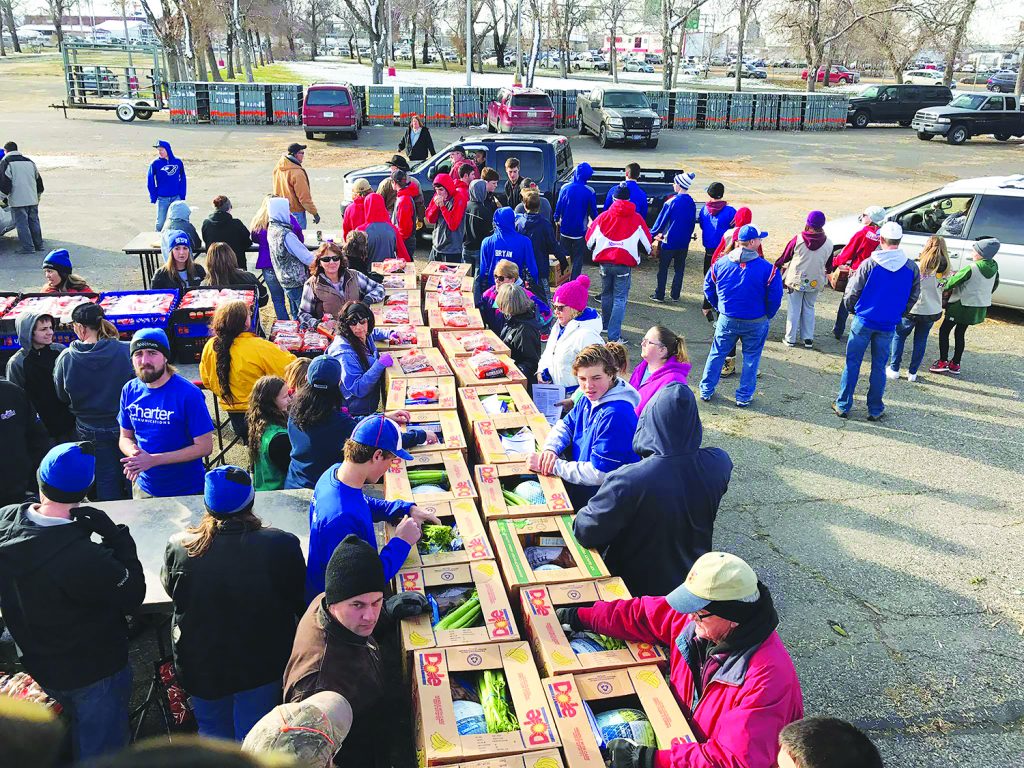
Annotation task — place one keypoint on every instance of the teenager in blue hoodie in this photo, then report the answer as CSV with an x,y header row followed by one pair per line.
x,y
506,243
674,228
636,194
541,233
575,208
715,219
166,181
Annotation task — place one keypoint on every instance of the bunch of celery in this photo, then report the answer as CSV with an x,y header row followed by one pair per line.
x,y
514,499
466,615
439,538
427,477
493,698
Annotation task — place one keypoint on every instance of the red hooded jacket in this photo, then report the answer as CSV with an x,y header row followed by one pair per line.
x,y
617,234
741,219
354,216
377,214
452,213
404,217
863,243
747,701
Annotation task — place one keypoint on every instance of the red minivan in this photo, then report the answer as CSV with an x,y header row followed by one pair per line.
x,y
526,110
330,108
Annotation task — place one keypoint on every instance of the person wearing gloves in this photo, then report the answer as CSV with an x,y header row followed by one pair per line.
x,y
674,229
180,271
408,202
575,208
221,227
32,367
596,434
479,226
292,182
332,284
382,237
288,254
972,288
362,366
539,231
506,243
803,273
883,289
166,181
179,219
664,359
234,584
576,326
746,290
339,506
675,489
637,196
863,243
310,731
447,213
88,378
64,599
58,274
729,670
335,650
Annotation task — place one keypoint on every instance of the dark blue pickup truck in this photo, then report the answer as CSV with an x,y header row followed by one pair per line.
x,y
546,159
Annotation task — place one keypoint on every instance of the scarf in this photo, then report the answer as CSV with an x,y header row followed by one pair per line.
x,y
714,207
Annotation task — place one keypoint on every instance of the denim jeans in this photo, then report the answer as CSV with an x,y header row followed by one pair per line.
x,y
841,315
232,717
576,250
752,334
30,235
98,714
294,296
615,280
301,218
920,328
446,258
800,319
163,204
276,292
110,479
678,259
861,338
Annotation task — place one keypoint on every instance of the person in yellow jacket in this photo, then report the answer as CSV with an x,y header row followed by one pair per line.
x,y
234,359
291,181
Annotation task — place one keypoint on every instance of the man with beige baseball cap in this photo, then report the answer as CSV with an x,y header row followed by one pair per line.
x,y
730,672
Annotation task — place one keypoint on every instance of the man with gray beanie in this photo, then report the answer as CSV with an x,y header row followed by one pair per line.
x,y
64,598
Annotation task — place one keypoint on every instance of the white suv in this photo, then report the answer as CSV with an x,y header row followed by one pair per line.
x,y
925,77
962,212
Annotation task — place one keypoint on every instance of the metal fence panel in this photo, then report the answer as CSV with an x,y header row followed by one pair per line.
x,y
838,109
286,100
252,104
716,111
684,109
659,103
410,102
741,111
439,106
467,110
380,105
223,103
790,111
766,112
814,116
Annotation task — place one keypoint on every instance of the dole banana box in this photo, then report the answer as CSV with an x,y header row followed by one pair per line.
x,y
643,688
466,319
438,741
545,758
422,363
409,296
400,282
495,625
499,497
509,438
514,397
430,393
444,425
468,376
448,300
528,548
467,343
462,515
396,315
448,282
554,653
443,268
453,484
422,340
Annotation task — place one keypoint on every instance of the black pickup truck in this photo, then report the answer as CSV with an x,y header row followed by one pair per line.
x,y
971,114
545,159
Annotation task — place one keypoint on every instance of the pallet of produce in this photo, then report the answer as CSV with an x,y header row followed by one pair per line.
x,y
468,343
592,708
558,651
403,337
429,478
423,363
443,268
460,537
491,399
509,490
479,701
445,428
447,282
485,368
508,438
543,550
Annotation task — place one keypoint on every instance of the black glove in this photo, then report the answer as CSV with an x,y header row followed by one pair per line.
x,y
569,619
96,521
316,218
563,263
405,605
623,753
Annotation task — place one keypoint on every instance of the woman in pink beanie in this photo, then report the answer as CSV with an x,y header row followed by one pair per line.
x,y
576,326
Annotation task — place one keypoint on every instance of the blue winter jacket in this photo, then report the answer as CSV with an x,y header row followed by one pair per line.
x,y
506,243
166,177
884,288
742,285
576,206
636,196
676,222
361,387
713,226
541,234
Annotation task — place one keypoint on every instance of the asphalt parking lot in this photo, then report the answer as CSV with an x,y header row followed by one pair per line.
x,y
893,549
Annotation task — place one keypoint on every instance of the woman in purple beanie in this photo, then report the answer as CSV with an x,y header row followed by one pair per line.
x,y
803,262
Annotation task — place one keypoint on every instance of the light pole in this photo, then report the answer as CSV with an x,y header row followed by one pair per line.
x,y
469,43
519,42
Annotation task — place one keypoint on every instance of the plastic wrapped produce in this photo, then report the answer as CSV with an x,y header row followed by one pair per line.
x,y
414,361
457,318
486,366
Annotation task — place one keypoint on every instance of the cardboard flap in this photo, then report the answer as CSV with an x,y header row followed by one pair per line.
x,y
670,726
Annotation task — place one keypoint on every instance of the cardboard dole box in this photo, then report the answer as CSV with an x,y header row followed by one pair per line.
x,y
508,438
447,282
486,368
396,298
405,337
464,520
554,651
545,758
431,393
445,425
502,487
467,343
400,282
492,399
423,363
465,319
438,741
429,478
491,622
646,688
448,300
543,551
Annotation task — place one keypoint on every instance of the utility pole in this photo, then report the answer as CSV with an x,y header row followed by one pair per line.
x,y
469,43
519,43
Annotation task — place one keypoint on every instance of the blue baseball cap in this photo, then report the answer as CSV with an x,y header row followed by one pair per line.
x,y
750,232
380,432
324,373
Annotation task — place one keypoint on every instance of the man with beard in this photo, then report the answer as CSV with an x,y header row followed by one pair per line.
x,y
166,430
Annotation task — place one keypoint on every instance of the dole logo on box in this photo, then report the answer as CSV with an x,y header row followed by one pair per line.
x,y
477,548
646,651
430,669
562,695
411,581
538,727
501,624
537,600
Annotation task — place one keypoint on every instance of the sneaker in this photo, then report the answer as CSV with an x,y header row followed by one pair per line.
x,y
706,398
808,343
890,374
954,368
911,377
839,413
655,297
879,417
789,343
939,366
729,368
674,298
742,403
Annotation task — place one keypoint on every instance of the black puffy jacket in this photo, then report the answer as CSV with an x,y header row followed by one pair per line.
x,y
522,335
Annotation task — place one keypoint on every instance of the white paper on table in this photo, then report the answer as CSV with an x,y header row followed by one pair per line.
x,y
547,398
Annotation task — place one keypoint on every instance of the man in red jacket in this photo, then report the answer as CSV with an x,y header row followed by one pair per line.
x,y
731,674
863,243
615,238
446,212
404,217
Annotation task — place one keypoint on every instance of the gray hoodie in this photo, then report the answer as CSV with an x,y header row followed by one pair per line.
x,y
89,379
178,219
289,255
24,326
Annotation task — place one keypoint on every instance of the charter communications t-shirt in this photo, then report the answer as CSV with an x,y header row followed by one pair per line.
x,y
164,419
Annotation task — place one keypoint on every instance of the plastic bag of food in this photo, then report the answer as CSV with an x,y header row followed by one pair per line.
x,y
396,299
404,334
421,396
477,342
283,326
394,281
396,315
314,342
446,300
414,361
391,266
457,318
290,342
486,366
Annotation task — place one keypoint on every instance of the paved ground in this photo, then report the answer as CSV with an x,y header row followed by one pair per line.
x,y
904,534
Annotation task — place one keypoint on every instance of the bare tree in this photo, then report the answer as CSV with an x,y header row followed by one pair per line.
x,y
744,10
611,16
168,27
900,35
960,29
531,67
7,17
372,18
57,10
318,13
674,15
503,14
568,16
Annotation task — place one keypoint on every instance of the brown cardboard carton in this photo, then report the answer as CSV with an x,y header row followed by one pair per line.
x,y
545,758
437,737
396,315
487,435
462,283
452,343
435,393
554,654
423,340
467,377
440,321
437,366
492,479
443,268
462,514
396,267
556,275
444,424
400,282
643,688
463,299
472,409
460,484
516,540
496,624
412,297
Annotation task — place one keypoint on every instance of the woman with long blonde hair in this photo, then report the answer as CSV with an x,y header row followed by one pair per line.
x,y
933,264
258,232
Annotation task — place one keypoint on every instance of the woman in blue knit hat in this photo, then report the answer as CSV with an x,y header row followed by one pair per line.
x,y
57,272
180,271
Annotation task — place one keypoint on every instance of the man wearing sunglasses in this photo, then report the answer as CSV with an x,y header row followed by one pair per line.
x,y
731,675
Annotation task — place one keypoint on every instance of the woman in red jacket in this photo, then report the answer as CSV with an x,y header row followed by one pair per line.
x,y
863,243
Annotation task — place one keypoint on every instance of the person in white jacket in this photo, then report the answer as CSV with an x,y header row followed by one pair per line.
x,y
577,326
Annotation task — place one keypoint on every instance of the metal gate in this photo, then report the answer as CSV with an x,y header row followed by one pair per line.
x,y
380,108
410,102
741,111
568,118
439,106
814,113
838,110
252,104
223,103
182,102
684,110
466,106
659,103
716,111
286,102
766,112
790,111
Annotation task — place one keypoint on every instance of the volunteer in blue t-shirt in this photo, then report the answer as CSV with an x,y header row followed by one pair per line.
x,y
166,430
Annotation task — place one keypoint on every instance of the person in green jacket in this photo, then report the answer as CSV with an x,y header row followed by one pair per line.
x,y
971,296
270,448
